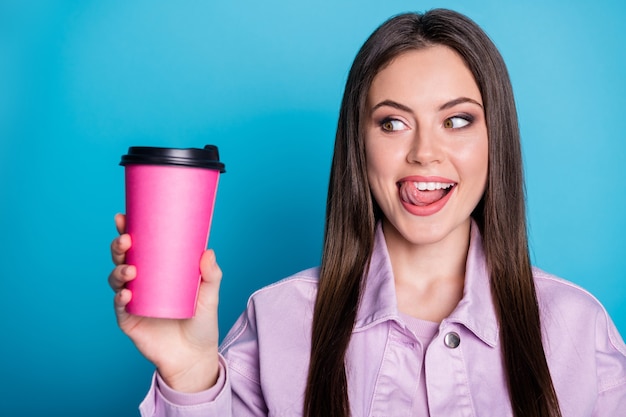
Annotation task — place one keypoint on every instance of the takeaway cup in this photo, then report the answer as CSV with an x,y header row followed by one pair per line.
x,y
170,195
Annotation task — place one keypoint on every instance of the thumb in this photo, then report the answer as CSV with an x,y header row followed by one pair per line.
x,y
208,296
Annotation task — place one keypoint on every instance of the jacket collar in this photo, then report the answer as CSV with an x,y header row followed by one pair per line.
x,y
475,311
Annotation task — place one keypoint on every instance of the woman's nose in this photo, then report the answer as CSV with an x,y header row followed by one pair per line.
x,y
425,148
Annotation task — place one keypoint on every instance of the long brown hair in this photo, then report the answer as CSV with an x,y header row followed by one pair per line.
x,y
351,215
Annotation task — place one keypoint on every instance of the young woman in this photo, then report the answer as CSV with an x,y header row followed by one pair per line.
x,y
425,303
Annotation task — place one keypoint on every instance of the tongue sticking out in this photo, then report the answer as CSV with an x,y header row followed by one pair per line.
x,y
410,194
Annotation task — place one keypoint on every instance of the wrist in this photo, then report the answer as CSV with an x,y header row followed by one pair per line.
x,y
200,376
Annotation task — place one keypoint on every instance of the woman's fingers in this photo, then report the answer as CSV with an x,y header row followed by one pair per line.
x,y
120,223
121,244
119,247
120,300
120,275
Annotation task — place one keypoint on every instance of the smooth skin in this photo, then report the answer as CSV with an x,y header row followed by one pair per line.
x,y
185,352
426,121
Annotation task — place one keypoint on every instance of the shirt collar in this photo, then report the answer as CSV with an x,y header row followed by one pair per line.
x,y
475,310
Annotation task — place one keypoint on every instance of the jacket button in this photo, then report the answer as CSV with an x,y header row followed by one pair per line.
x,y
452,340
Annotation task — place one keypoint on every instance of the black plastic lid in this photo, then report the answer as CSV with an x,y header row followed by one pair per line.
x,y
208,157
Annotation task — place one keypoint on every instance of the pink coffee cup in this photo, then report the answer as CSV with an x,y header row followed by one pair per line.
x,y
170,195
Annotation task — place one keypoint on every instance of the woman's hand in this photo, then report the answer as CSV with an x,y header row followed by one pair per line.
x,y
184,351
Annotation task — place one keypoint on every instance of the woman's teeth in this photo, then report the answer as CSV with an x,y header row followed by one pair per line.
x,y
430,186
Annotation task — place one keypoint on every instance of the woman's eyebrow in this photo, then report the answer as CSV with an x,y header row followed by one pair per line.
x,y
457,101
393,104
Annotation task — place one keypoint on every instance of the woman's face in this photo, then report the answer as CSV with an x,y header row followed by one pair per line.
x,y
426,144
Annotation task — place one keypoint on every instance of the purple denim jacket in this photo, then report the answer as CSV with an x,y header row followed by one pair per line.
x,y
264,358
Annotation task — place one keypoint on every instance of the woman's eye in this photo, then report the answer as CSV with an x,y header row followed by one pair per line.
x,y
456,122
392,125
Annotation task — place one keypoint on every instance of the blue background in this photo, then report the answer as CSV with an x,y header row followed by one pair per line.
x,y
81,81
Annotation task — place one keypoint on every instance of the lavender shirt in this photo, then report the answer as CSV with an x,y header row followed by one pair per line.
x,y
264,358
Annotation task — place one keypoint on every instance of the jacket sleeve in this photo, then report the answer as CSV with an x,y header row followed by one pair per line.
x,y
611,368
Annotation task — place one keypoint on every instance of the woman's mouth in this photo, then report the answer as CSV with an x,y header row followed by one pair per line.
x,y
421,193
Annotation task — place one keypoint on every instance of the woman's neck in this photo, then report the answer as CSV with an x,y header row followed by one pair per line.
x,y
429,277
